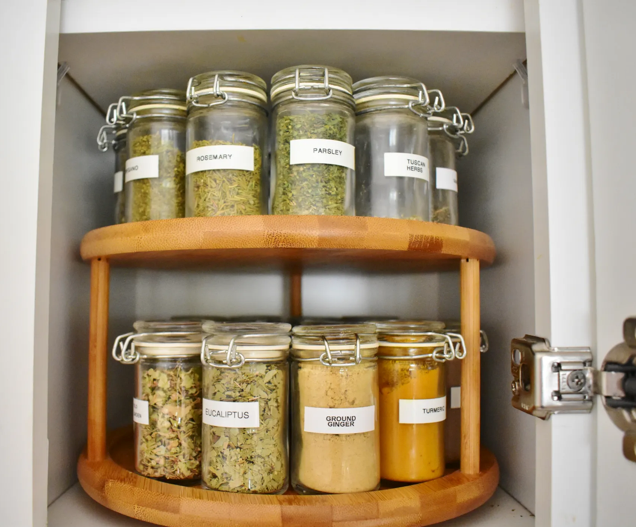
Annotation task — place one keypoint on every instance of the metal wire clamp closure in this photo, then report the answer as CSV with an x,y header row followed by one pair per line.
x,y
233,358
193,98
102,136
296,91
126,344
439,354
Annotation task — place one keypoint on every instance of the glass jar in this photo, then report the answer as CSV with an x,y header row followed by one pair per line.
x,y
313,156
412,399
245,407
392,147
155,169
334,393
121,154
226,143
167,401
447,141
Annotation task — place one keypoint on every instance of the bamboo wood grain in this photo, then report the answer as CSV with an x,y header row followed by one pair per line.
x,y
98,359
471,374
113,483
296,298
294,241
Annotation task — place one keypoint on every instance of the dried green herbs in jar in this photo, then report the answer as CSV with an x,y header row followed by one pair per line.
x,y
167,405
226,137
155,169
169,446
225,192
313,157
245,407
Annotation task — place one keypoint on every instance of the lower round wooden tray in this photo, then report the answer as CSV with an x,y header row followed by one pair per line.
x,y
113,483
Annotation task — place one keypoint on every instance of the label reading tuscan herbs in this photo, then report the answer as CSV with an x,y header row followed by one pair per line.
x,y
405,165
140,412
220,157
446,179
231,415
340,420
321,152
419,411
142,167
119,182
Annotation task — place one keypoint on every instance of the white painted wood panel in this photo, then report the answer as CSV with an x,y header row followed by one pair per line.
x,y
609,44
93,16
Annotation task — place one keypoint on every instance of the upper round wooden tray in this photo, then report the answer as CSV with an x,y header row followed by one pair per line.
x,y
272,241
113,483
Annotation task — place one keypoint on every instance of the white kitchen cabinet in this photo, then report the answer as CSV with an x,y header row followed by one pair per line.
x,y
550,183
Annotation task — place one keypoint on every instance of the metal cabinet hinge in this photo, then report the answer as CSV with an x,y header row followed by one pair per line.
x,y
549,380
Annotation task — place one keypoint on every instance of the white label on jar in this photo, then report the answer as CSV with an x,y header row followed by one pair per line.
x,y
405,165
142,167
231,415
220,157
418,411
321,152
446,179
455,397
119,181
340,420
140,412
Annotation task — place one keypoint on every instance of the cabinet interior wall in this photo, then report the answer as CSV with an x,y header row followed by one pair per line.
x,y
496,197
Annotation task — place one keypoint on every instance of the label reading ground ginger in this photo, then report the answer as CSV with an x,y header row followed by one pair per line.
x,y
340,420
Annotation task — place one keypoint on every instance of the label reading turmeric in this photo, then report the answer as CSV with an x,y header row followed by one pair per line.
x,y
421,411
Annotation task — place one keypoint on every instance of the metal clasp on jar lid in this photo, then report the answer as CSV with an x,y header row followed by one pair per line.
x,y
440,354
128,118
102,136
251,90
299,86
193,97
338,358
126,344
233,358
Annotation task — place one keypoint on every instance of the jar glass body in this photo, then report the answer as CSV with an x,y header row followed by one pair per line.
x,y
169,445
162,197
380,192
121,155
443,200
316,188
246,459
227,191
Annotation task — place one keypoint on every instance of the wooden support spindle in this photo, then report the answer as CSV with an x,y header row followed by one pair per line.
x,y
296,299
98,359
471,374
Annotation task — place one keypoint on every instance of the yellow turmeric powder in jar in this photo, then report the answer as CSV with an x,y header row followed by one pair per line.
x,y
412,400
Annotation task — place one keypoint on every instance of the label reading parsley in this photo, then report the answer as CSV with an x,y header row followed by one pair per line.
x,y
321,152
142,167
421,411
340,420
231,415
140,412
220,157
405,165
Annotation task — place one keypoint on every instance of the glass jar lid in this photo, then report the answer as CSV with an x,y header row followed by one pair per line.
x,y
312,83
152,103
231,344
158,338
394,92
335,345
217,87
416,339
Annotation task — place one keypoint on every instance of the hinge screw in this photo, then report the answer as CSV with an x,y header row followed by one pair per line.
x,y
576,380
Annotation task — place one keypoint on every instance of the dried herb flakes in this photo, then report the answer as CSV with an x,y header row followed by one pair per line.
x,y
248,460
309,188
225,192
170,445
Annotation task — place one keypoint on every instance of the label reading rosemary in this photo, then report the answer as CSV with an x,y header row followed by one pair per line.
x,y
220,157
231,415
446,179
142,167
340,420
405,165
140,412
321,152
119,182
418,411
